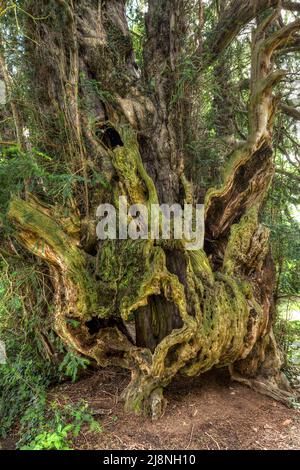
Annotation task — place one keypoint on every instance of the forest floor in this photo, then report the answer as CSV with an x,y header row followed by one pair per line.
x,y
207,412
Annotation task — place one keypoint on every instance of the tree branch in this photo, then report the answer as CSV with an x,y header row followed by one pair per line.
x,y
282,37
228,203
290,111
293,297
293,6
288,174
236,16
15,110
8,144
67,8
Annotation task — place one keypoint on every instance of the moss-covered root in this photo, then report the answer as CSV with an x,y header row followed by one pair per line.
x,y
144,395
261,372
275,387
221,319
54,239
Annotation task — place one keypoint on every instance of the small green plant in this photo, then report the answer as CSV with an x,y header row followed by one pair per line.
x,y
72,364
54,426
37,172
57,440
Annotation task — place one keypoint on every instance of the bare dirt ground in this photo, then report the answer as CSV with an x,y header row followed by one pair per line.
x,y
207,412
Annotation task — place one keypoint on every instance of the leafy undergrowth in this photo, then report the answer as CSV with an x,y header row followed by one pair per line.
x,y
54,426
207,412
35,356
294,341
288,334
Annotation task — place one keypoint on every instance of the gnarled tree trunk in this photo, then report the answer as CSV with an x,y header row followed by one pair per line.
x,y
152,307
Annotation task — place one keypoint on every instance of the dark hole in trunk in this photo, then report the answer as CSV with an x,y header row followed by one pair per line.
x,y
96,324
155,321
109,136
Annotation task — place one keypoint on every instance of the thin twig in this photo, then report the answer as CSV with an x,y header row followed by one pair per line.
x,y
213,439
191,437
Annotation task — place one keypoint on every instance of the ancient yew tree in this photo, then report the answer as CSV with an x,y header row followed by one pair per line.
x,y
119,110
